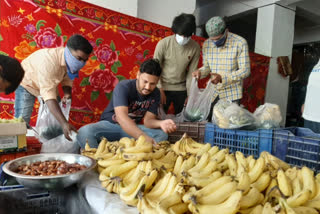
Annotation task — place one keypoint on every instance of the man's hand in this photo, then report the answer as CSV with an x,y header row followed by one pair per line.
x,y
65,98
302,108
67,128
163,97
196,74
168,126
151,140
215,78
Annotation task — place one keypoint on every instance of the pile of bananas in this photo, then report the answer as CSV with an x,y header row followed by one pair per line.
x,y
189,177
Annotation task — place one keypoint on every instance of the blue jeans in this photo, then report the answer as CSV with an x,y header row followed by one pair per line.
x,y
113,132
23,104
314,126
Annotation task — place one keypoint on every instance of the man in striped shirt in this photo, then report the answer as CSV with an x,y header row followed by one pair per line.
x,y
226,58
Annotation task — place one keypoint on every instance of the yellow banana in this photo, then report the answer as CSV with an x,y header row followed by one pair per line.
x,y
213,186
262,182
313,203
272,184
163,206
305,210
299,199
308,181
296,186
287,208
186,198
131,198
267,209
204,149
107,163
241,160
101,146
206,171
144,207
169,189
178,208
151,177
250,199
244,183
222,166
218,196
251,163
127,142
213,150
201,164
187,164
138,149
257,209
291,173
284,183
257,170
123,168
230,206
159,187
178,165
220,156
204,181
232,164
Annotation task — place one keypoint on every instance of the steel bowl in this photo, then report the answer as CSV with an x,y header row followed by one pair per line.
x,y
53,181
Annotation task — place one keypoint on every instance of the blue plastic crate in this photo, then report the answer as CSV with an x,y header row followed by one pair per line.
x,y
247,142
297,146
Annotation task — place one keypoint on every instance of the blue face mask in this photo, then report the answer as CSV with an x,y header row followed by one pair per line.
x,y
220,42
73,64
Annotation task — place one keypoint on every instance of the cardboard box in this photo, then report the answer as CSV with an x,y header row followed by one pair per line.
x,y
13,137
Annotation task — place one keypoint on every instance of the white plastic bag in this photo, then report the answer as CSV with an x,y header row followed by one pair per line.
x,y
230,115
50,131
268,116
199,102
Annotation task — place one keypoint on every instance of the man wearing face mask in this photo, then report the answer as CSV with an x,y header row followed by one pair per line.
x,y
178,55
226,58
45,69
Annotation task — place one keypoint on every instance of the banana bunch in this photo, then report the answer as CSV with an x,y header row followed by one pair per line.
x,y
186,145
191,177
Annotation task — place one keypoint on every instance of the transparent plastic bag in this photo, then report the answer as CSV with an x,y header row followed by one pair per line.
x,y
179,118
50,132
230,115
199,101
268,116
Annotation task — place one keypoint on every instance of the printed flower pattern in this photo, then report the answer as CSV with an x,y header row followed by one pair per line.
x,y
48,38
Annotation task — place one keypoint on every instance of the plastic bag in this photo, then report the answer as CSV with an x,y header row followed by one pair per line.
x,y
179,118
268,116
50,132
230,115
199,101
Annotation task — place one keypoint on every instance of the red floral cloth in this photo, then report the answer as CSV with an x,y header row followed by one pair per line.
x,y
121,43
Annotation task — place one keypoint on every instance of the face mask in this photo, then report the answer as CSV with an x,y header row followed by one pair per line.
x,y
220,42
182,40
73,64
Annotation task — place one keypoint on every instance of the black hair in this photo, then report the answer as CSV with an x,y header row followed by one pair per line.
x,y
152,67
78,42
11,71
184,24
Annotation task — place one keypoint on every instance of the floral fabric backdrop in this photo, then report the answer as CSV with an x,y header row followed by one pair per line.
x,y
121,43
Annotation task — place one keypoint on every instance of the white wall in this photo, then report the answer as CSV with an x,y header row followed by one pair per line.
x,y
163,11
128,7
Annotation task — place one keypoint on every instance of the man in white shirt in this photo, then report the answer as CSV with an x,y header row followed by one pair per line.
x,y
311,107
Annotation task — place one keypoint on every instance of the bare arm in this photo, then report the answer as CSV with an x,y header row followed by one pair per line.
x,y
126,123
151,121
57,113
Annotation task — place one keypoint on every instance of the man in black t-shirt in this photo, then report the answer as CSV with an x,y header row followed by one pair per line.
x,y
132,101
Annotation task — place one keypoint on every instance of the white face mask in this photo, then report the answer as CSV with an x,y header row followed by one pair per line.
x,y
182,40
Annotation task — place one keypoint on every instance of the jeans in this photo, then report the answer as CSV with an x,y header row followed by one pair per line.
x,y
23,104
113,132
178,98
314,126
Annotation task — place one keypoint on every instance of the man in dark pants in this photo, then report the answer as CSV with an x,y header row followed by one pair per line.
x,y
178,56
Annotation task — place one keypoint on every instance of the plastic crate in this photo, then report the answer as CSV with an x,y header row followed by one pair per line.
x,y
19,200
247,142
297,146
195,130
